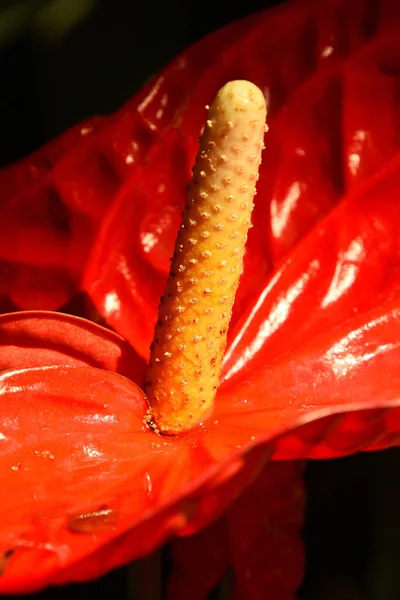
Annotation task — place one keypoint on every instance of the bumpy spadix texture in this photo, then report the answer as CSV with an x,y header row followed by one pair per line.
x,y
194,314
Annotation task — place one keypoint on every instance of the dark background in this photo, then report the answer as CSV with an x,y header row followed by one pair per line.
x,y
57,68
52,78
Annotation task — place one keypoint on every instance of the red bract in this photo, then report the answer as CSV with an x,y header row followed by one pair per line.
x,y
77,457
311,369
307,167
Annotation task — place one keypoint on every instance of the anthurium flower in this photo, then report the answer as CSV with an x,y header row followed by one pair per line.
x,y
298,366
98,469
303,177
91,486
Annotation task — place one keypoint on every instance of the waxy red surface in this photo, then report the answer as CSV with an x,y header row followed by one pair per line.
x,y
311,369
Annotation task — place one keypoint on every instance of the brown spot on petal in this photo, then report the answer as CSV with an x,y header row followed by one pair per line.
x,y
4,558
95,521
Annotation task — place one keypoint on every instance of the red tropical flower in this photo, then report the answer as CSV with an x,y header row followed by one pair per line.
x,y
327,395
311,369
307,170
